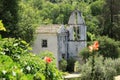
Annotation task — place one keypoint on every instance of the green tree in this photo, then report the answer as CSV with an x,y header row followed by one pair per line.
x,y
28,20
8,14
110,21
20,18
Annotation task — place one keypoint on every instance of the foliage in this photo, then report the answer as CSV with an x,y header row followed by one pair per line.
x,y
108,47
31,64
27,21
63,65
8,15
110,22
18,19
84,53
90,36
101,72
77,67
39,76
26,66
52,72
70,64
2,26
43,54
14,47
97,7
101,16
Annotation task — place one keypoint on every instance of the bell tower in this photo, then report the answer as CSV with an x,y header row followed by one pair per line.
x,y
77,24
77,33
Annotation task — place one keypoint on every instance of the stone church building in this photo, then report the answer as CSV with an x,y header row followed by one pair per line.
x,y
63,41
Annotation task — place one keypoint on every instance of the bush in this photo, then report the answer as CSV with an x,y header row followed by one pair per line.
x,y
27,65
9,70
52,72
85,54
39,76
14,48
108,47
70,64
102,70
31,64
117,65
113,64
43,54
63,65
77,67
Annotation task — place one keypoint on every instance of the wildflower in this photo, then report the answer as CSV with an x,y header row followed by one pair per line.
x,y
21,70
28,68
13,73
4,72
90,48
95,46
48,59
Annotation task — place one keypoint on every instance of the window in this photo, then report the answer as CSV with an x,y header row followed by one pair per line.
x,y
44,43
76,33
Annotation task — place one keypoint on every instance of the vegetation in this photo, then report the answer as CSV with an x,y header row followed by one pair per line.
x,y
20,20
23,16
109,48
16,62
63,65
102,70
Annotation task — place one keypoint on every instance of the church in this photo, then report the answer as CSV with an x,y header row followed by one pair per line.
x,y
63,41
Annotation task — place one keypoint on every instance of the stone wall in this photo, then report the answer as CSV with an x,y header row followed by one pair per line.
x,y
52,44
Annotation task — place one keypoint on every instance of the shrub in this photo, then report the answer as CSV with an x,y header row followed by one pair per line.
x,y
63,65
14,47
113,64
39,76
52,72
108,47
117,65
77,67
85,54
9,70
48,54
70,64
27,66
102,71
31,64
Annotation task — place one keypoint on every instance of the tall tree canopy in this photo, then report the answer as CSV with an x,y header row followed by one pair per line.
x,y
21,17
8,14
111,19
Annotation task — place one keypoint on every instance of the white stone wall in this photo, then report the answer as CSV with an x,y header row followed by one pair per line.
x,y
62,45
51,44
74,48
82,32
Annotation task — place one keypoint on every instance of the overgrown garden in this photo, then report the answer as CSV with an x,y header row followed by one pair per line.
x,y
21,17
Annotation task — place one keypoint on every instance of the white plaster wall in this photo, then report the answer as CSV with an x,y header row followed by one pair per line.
x,y
51,44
